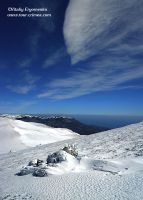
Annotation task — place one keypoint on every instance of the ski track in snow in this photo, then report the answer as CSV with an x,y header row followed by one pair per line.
x,y
119,150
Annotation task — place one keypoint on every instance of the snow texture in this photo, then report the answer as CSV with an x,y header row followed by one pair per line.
x,y
109,166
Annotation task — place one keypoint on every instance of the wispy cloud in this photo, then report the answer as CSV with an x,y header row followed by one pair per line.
x,y
21,89
107,36
55,58
25,63
94,25
98,76
24,86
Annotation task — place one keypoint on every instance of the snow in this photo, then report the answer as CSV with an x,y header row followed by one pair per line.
x,y
109,166
16,135
41,116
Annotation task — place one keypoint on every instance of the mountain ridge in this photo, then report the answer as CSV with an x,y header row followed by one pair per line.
x,y
64,122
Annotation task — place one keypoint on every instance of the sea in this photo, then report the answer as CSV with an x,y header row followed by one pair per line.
x,y
108,121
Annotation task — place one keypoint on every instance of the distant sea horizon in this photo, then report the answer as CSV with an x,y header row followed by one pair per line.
x,y
107,121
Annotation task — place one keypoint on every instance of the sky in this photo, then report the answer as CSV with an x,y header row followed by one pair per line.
x,y
85,58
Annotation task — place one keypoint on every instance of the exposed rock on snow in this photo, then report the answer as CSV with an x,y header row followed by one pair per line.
x,y
59,162
62,162
71,149
26,170
35,162
109,166
40,173
56,157
61,155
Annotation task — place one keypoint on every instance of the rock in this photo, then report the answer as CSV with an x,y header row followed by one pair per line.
x,y
25,171
56,157
40,173
71,149
35,162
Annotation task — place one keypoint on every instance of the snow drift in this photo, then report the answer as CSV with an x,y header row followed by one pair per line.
x,y
16,134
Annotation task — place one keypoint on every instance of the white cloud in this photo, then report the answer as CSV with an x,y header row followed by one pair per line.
x,y
109,32
93,25
99,76
24,86
30,78
54,58
21,89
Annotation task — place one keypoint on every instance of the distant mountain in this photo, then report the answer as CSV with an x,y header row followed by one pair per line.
x,y
63,122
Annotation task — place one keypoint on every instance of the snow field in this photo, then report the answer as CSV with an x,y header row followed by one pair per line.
x,y
109,167
16,135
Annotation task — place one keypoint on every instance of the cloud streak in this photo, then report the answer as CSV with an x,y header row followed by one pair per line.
x,y
98,76
54,58
95,25
27,84
21,89
107,36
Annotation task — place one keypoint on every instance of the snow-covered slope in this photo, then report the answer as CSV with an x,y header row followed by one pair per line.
x,y
109,167
121,143
16,134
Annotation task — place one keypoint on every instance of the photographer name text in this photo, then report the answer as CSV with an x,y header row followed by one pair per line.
x,y
28,12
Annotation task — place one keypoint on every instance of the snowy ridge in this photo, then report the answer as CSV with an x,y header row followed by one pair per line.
x,y
59,122
16,134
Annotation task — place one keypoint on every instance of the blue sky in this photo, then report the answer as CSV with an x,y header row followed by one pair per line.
x,y
84,59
